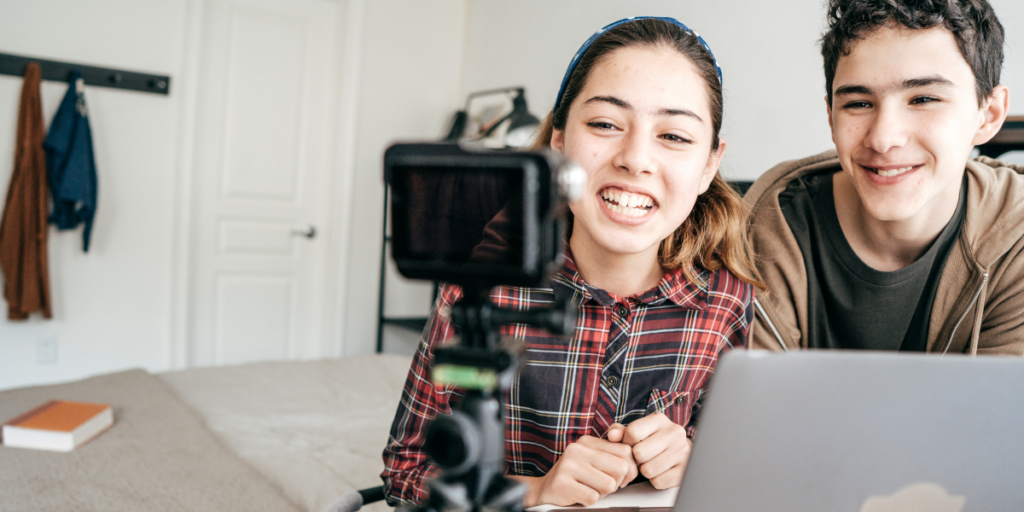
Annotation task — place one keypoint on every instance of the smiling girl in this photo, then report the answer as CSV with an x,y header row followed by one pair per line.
x,y
657,260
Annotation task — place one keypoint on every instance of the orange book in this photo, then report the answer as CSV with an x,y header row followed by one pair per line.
x,y
58,425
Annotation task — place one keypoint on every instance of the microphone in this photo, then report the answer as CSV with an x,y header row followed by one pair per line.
x,y
354,500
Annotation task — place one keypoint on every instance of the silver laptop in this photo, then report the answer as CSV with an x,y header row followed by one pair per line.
x,y
859,432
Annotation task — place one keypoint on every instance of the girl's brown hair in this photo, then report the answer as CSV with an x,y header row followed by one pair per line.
x,y
715,233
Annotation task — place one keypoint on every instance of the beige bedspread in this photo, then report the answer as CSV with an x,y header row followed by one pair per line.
x,y
158,456
315,429
283,436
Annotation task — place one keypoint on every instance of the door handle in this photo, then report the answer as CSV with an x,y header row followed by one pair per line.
x,y
309,232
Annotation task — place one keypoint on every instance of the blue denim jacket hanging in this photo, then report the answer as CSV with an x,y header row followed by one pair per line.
x,y
71,168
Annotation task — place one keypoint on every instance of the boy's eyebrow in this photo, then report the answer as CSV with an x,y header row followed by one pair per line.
x,y
851,89
910,83
663,112
926,81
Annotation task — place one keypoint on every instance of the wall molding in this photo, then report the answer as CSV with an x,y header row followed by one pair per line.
x,y
178,351
349,73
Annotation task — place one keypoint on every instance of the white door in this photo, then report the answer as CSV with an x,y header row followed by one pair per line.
x,y
264,122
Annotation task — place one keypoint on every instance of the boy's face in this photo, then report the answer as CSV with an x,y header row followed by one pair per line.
x,y
904,117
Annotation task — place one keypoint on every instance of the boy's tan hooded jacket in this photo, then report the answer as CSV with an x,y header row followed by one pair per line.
x,y
979,304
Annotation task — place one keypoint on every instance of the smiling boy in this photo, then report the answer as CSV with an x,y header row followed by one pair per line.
x,y
896,240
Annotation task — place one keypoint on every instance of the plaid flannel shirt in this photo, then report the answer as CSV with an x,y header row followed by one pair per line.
x,y
629,357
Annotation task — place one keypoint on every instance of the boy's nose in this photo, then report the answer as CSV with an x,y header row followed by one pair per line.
x,y
888,130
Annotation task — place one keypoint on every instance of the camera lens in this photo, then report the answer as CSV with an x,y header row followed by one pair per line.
x,y
453,442
572,180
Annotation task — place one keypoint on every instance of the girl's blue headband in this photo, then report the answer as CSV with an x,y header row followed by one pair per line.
x,y
586,46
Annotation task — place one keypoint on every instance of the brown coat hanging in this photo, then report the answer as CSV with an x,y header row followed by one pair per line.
x,y
23,229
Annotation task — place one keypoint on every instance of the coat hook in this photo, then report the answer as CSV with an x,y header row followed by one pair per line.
x,y
94,76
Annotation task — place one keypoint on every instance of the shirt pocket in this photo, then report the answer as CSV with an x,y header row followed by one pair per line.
x,y
677,405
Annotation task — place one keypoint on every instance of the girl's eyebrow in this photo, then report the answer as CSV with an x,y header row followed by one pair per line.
x,y
662,112
679,112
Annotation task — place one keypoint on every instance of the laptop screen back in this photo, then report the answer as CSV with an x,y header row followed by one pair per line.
x,y
849,431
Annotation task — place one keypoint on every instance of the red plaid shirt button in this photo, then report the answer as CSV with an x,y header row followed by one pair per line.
x,y
611,381
621,310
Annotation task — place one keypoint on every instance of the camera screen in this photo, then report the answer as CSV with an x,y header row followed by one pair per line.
x,y
458,215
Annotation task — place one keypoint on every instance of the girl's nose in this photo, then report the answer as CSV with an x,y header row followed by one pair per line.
x,y
635,154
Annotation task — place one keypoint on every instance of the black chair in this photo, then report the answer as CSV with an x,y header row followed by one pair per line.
x,y
1009,138
741,187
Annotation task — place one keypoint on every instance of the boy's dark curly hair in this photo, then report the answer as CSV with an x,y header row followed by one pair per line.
x,y
974,24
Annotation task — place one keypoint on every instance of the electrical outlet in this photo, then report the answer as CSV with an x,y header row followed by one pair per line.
x,y
46,350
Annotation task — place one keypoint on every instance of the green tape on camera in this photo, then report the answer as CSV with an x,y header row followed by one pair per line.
x,y
467,377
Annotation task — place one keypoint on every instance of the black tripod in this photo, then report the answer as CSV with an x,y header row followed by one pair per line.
x,y
469,444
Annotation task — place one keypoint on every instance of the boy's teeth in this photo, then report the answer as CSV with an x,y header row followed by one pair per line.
x,y
893,172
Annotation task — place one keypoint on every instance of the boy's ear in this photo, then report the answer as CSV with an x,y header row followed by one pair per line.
x,y
992,114
557,140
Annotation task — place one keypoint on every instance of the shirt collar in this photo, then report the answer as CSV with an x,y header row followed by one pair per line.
x,y
568,284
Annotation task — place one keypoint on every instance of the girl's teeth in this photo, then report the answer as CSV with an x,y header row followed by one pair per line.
x,y
627,211
624,203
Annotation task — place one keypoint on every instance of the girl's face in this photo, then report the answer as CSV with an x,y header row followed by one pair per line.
x,y
641,128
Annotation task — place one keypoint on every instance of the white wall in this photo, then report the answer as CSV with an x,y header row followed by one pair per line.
x,y
774,87
1011,14
768,51
111,306
409,86
417,60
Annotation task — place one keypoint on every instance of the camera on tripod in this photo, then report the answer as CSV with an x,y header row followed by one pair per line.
x,y
479,218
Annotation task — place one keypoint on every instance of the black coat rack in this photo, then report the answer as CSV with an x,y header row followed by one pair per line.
x,y
102,77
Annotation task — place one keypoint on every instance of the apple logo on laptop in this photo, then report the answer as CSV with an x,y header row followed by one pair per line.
x,y
920,497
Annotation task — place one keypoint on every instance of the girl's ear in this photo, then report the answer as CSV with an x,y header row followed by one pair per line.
x,y
714,160
557,139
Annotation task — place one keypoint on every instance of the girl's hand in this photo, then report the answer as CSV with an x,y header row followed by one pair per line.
x,y
660,448
588,469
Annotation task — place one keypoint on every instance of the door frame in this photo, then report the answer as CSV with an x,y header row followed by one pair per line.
x,y
179,346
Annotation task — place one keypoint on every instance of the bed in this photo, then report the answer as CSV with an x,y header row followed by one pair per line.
x,y
280,436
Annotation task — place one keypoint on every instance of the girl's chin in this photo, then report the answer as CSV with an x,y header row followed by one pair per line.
x,y
624,246
613,239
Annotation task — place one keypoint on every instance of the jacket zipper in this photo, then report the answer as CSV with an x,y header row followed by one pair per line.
x,y
778,337
984,280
